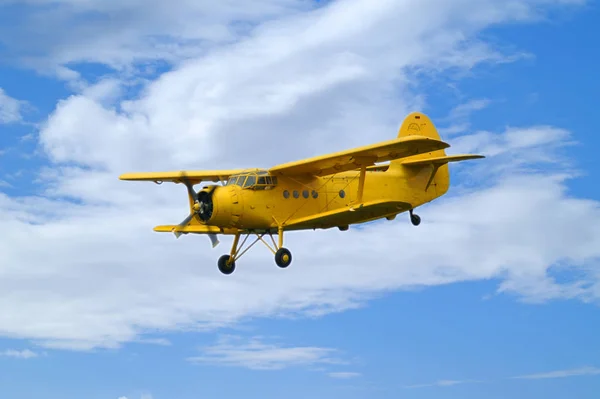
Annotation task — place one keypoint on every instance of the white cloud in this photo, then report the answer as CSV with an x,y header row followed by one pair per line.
x,y
582,371
154,341
318,81
10,108
120,33
466,109
257,355
344,375
458,117
297,75
19,354
562,373
442,383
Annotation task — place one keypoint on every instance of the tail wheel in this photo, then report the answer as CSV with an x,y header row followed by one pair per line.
x,y
283,257
224,266
415,220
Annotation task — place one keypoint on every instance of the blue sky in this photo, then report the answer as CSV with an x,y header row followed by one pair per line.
x,y
495,295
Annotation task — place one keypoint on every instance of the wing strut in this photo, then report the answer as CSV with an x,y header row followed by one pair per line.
x,y
361,184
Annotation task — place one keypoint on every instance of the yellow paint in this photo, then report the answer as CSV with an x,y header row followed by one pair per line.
x,y
333,190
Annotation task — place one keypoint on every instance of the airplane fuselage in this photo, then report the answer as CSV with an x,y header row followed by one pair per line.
x,y
252,209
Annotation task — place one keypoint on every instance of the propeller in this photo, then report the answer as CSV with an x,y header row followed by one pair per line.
x,y
198,208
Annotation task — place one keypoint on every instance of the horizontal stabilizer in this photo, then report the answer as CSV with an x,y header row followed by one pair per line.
x,y
440,160
436,162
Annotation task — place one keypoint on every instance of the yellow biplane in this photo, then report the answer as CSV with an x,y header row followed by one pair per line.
x,y
335,190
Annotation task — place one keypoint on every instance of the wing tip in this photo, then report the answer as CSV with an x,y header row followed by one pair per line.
x,y
165,228
467,157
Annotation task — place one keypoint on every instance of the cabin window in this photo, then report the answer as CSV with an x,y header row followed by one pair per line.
x,y
296,194
342,193
305,193
315,194
286,194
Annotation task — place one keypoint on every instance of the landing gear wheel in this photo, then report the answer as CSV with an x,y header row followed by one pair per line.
x,y
224,267
283,257
415,219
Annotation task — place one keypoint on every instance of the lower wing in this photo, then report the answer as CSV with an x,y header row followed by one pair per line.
x,y
341,217
193,229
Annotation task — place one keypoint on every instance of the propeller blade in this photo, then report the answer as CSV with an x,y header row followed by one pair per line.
x,y
186,221
214,240
189,186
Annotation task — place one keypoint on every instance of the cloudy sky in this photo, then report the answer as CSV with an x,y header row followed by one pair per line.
x,y
494,295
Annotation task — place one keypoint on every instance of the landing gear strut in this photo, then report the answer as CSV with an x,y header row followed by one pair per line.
x,y
283,257
414,218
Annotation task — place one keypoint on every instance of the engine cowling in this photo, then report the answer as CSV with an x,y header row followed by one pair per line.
x,y
221,206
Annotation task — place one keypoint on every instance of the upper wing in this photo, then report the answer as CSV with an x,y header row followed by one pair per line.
x,y
194,176
361,156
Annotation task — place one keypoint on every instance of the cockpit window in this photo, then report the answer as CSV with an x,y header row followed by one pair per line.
x,y
250,181
259,180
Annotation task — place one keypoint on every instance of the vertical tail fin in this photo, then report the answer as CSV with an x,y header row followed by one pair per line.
x,y
420,125
425,176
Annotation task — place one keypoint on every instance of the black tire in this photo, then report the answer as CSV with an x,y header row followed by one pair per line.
x,y
415,219
224,267
283,258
